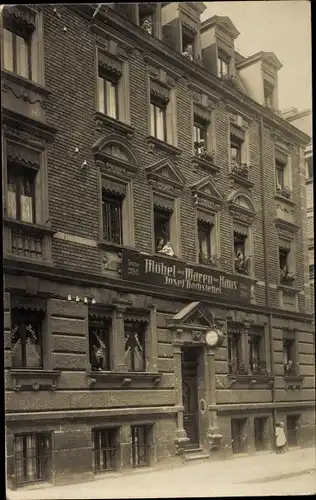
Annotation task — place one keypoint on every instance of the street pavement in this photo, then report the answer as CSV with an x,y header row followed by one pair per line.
x,y
262,474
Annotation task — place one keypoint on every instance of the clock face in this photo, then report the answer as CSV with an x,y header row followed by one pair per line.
x,y
212,338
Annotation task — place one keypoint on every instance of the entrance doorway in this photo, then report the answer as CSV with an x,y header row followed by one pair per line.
x,y
292,425
260,424
189,368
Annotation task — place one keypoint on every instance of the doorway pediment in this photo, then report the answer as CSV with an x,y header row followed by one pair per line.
x,y
194,314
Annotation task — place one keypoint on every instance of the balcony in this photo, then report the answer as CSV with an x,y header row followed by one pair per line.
x,y
204,159
287,278
27,241
240,174
242,265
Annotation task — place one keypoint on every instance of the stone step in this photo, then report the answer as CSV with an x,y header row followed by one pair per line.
x,y
191,455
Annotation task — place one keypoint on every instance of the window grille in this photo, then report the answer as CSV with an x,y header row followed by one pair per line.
x,y
140,446
31,458
104,449
112,218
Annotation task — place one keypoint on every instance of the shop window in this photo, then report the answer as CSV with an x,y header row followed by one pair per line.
x,y
31,459
206,244
158,125
222,64
26,339
239,434
21,193
289,349
200,134
292,427
260,425
104,448
234,353
112,205
99,343
242,260
108,94
134,332
141,446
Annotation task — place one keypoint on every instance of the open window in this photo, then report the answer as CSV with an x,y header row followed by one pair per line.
x,y
268,93
223,60
99,343
257,363
241,251
135,356
162,220
234,353
289,354
200,135
21,193
26,339
146,12
282,174
188,42
287,276
206,238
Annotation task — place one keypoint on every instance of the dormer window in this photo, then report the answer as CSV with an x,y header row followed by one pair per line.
x,y
188,43
146,17
222,64
268,94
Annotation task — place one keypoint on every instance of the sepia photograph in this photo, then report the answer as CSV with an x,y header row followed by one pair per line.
x,y
158,250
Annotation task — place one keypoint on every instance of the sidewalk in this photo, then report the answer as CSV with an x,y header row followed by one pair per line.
x,y
237,477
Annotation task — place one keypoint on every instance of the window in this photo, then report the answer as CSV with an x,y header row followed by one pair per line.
x,y
289,356
162,228
222,64
254,351
260,425
158,126
241,259
309,167
187,43
26,339
286,276
205,245
17,51
112,217
135,346
234,352
104,449
99,343
268,94
239,434
108,94
311,272
31,458
235,150
146,17
21,193
200,135
140,446
280,174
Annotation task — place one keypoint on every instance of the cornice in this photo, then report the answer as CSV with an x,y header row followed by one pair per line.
x,y
199,74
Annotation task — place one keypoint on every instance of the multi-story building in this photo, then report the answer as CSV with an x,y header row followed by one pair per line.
x,y
303,121
154,259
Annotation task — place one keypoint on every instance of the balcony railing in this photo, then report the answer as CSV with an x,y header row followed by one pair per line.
x,y
287,278
242,264
240,169
284,191
26,245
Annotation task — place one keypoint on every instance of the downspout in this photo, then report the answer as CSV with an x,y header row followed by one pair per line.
x,y
265,257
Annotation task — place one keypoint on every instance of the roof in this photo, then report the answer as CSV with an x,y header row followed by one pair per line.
x,y
270,57
224,22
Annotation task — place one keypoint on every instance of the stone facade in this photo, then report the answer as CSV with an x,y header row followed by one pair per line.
x,y
62,268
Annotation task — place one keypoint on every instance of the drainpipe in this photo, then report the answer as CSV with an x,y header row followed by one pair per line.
x,y
265,257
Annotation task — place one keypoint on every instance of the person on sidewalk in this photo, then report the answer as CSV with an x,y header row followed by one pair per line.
x,y
280,437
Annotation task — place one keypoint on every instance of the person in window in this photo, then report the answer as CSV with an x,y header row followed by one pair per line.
x,y
165,248
280,437
147,25
97,361
188,52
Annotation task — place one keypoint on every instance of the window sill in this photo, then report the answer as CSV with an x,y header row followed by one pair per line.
x,y
279,197
237,380
241,275
167,257
288,288
238,179
25,82
293,382
103,120
154,143
109,245
35,380
28,227
205,164
208,266
129,380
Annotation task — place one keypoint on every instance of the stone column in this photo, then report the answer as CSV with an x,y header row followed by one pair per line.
x,y
181,436
118,340
213,434
151,342
245,345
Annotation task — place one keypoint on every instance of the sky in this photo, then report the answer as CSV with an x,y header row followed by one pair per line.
x,y
282,27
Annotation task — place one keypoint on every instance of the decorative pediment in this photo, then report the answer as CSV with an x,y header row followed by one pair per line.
x,y
206,194
116,157
241,206
195,314
165,176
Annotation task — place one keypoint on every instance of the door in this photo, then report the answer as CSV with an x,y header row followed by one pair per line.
x,y
189,398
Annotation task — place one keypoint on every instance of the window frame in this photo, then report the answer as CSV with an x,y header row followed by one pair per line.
x,y
163,214
237,145
46,439
154,105
108,79
146,445
105,337
130,330
109,200
201,126
34,317
280,173
20,174
223,61
27,39
234,347
289,355
206,228
109,437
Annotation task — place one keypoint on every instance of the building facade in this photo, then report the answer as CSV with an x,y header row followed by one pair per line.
x,y
155,303
303,121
